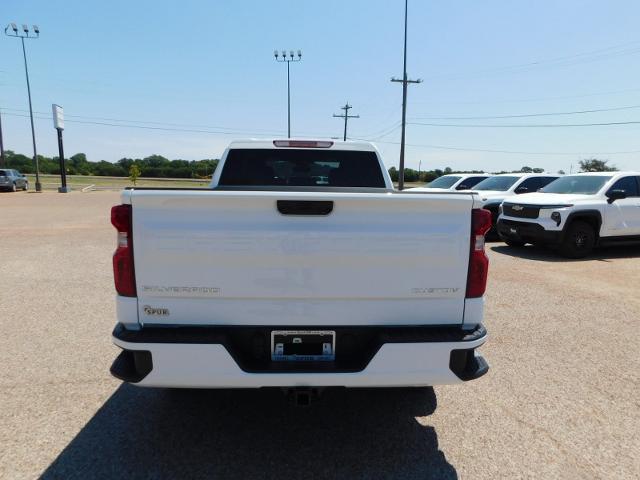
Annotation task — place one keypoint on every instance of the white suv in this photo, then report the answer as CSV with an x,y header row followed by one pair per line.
x,y
453,181
576,212
494,190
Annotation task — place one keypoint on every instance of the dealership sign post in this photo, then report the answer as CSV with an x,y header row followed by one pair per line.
x,y
58,124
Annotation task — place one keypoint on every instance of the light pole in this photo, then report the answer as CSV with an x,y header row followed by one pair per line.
x,y
346,117
22,35
405,81
283,58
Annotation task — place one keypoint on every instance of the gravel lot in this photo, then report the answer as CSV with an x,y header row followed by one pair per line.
x,y
562,398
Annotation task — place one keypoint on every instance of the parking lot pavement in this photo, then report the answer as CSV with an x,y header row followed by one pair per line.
x,y
561,399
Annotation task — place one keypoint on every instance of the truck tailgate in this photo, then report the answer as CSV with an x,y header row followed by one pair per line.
x,y
231,258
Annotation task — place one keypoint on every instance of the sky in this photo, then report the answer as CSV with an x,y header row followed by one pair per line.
x,y
182,79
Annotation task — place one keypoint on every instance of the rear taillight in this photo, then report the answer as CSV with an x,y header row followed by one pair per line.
x,y
478,261
123,272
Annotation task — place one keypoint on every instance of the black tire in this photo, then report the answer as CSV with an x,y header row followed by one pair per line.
x,y
579,240
26,186
14,188
514,243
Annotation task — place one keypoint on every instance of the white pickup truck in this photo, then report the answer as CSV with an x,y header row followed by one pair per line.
x,y
300,266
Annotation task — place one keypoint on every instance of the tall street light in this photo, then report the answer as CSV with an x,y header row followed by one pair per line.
x,y
283,58
12,31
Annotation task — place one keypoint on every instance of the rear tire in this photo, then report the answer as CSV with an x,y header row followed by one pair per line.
x,y
514,243
579,240
26,186
14,188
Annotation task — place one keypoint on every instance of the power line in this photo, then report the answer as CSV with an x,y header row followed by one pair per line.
x,y
381,132
527,115
568,60
378,134
538,125
538,99
109,119
147,127
439,147
389,129
513,152
170,129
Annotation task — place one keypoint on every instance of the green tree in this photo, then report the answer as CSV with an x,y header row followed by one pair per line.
x,y
78,165
595,165
526,170
134,173
410,175
18,161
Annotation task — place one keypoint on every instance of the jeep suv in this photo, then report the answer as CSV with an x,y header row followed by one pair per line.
x,y
576,213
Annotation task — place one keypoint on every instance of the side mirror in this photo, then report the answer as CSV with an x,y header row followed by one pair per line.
x,y
613,195
521,190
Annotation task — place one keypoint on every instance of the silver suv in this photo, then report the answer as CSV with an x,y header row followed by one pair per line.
x,y
13,180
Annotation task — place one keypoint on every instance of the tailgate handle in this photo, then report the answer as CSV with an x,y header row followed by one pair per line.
x,y
305,207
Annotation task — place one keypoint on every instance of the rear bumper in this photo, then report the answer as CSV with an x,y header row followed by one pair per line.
x,y
235,357
527,232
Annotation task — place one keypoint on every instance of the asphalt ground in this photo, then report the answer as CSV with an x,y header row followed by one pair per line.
x,y
561,400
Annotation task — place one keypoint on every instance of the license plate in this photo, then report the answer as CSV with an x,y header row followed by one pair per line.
x,y
303,345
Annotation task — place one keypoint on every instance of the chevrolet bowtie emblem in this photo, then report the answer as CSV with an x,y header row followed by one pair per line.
x,y
517,208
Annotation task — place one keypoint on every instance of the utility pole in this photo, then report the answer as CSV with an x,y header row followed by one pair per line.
x,y
405,81
22,36
2,159
346,117
288,59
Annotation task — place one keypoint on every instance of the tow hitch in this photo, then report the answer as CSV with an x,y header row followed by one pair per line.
x,y
302,396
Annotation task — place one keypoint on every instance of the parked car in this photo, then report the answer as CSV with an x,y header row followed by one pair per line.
x,y
494,190
301,266
575,213
454,181
13,180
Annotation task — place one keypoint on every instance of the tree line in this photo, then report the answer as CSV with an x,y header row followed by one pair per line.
x,y
154,166
157,166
